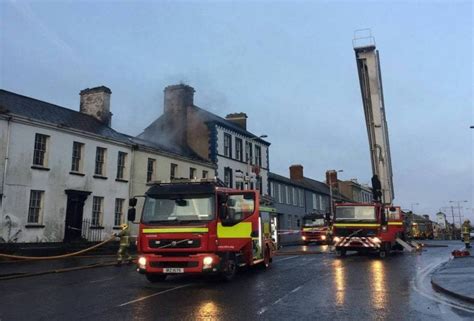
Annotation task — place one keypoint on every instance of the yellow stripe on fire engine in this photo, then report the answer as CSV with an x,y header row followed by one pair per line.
x,y
176,230
240,230
395,223
356,225
311,229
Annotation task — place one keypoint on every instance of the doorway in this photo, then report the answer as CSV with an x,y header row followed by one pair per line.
x,y
74,214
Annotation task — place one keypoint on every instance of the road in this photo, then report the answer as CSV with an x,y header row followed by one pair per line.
x,y
296,287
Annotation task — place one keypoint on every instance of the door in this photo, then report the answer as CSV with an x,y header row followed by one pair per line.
x,y
74,214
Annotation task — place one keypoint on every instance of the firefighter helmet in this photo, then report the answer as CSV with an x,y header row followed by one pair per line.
x,y
124,226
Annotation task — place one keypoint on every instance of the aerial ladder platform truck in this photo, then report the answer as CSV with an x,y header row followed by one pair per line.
x,y
377,226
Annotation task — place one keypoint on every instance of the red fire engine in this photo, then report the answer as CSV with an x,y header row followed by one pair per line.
x,y
377,226
316,229
202,227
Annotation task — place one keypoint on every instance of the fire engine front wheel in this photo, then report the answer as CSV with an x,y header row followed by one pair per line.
x,y
153,278
230,269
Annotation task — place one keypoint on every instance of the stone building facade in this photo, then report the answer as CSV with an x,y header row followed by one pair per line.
x,y
241,158
67,175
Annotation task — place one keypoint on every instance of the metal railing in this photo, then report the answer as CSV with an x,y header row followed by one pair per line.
x,y
94,233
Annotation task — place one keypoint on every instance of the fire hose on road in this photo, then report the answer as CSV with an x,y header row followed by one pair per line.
x,y
19,257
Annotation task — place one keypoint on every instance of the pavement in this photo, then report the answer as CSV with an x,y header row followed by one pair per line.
x,y
296,287
456,278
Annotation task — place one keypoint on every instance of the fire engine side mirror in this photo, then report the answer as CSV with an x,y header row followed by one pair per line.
x,y
132,202
131,215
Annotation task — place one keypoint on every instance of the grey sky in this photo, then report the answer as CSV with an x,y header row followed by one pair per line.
x,y
289,66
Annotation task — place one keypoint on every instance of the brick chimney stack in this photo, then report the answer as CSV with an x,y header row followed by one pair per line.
x,y
96,103
296,172
331,178
177,100
240,119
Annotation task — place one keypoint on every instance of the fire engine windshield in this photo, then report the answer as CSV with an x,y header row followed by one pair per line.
x,y
313,222
362,213
182,208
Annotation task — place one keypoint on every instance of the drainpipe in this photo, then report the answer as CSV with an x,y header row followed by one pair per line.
x,y
4,174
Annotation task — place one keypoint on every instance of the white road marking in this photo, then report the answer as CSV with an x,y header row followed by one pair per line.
x,y
262,310
102,280
154,294
296,289
286,258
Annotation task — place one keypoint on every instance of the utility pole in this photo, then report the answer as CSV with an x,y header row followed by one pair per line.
x,y
454,225
459,210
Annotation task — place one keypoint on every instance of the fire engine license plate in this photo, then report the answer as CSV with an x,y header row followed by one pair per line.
x,y
173,270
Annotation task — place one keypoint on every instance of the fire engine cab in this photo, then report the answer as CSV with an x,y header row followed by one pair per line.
x,y
201,226
316,229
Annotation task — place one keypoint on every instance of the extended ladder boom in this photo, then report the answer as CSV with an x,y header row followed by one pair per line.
x,y
370,78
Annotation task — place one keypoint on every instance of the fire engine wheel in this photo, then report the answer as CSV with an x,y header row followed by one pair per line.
x,y
383,254
153,278
230,269
266,258
340,252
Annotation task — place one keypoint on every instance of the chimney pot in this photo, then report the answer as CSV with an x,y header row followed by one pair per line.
x,y
96,103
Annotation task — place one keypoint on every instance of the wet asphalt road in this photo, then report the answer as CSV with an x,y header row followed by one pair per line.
x,y
296,287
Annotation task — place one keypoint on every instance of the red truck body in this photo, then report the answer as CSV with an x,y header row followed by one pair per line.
x,y
202,227
367,227
315,229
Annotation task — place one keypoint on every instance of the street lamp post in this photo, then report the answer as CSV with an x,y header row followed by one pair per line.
x,y
459,210
413,204
247,149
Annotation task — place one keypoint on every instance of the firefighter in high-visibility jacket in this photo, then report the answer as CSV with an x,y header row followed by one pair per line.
x,y
123,253
466,233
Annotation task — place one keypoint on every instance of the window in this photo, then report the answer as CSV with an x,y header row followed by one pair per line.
x,y
298,223
121,162
173,171
295,196
277,193
314,202
227,145
36,207
205,174
240,206
239,185
118,211
76,165
258,156
288,194
301,197
238,149
192,173
97,210
41,149
272,189
100,161
321,204
150,170
248,152
282,194
260,184
228,177
289,222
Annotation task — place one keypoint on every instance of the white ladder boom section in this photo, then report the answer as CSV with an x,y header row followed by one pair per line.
x,y
370,79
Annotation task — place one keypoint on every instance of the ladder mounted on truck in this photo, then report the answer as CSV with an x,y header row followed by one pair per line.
x,y
370,79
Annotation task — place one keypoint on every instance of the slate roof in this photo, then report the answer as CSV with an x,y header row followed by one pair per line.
x,y
213,118
15,104
53,114
173,149
307,183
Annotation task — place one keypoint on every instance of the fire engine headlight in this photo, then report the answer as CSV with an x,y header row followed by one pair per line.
x,y
384,228
303,238
207,261
323,237
142,262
